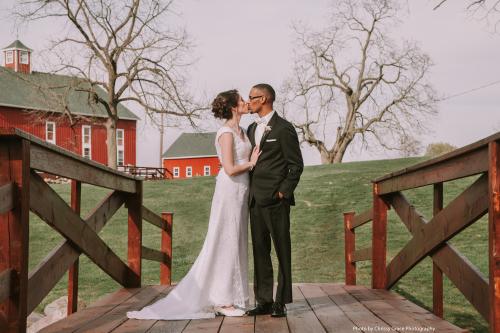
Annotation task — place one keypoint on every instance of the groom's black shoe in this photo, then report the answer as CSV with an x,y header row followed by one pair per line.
x,y
279,310
261,309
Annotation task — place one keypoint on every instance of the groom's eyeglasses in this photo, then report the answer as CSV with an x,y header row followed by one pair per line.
x,y
254,97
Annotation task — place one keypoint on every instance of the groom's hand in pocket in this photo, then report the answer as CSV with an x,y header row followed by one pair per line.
x,y
281,195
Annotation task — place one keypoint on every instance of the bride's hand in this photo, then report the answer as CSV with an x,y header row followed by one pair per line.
x,y
255,155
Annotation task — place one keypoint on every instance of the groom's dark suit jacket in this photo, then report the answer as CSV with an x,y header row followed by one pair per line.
x,y
280,164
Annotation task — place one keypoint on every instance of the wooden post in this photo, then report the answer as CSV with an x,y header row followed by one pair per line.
x,y
494,234
14,233
437,274
134,205
379,240
166,247
76,198
350,247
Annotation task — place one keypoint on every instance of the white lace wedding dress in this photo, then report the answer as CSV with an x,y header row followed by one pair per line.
x,y
218,277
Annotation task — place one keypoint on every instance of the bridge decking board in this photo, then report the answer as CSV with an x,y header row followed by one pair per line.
x,y
317,307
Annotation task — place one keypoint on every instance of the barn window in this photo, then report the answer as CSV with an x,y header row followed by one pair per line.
x,y
120,158
87,141
9,57
119,137
206,170
176,172
120,146
50,132
189,171
24,57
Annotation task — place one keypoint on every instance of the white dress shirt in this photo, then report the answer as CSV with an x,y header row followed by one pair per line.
x,y
261,126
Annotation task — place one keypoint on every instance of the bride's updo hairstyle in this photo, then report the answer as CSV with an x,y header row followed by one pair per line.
x,y
222,104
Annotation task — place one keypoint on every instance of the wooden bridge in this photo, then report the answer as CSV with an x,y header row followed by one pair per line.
x,y
316,308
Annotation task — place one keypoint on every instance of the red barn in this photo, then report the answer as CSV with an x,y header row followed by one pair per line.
x,y
34,102
192,154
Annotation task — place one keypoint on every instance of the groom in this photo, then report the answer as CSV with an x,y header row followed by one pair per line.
x,y
272,183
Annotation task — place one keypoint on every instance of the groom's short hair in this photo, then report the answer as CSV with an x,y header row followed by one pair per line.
x,y
271,94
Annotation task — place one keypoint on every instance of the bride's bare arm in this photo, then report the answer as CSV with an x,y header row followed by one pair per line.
x,y
226,143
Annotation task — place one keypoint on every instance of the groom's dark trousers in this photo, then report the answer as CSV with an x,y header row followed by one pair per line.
x,y
278,170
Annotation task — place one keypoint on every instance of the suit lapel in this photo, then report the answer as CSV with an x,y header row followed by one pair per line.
x,y
271,124
251,133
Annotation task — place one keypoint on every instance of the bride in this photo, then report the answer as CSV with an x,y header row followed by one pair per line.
x,y
217,283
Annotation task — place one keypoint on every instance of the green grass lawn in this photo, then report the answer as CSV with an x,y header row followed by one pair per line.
x,y
324,193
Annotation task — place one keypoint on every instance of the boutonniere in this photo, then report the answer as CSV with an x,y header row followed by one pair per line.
x,y
267,129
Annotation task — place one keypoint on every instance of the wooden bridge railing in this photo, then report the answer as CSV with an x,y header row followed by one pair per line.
x,y
148,173
430,237
164,256
22,190
351,222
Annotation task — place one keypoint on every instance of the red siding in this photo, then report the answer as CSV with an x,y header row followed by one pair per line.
x,y
12,65
70,138
23,68
197,165
129,127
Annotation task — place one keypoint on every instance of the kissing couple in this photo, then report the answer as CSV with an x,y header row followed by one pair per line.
x,y
260,170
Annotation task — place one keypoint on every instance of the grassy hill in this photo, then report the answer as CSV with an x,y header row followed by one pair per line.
x,y
324,193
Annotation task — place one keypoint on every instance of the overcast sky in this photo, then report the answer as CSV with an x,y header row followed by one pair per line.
x,y
239,43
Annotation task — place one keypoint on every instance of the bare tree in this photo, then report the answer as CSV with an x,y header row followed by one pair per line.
x,y
410,147
350,80
485,10
126,51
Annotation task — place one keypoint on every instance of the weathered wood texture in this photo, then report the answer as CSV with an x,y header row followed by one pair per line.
x,y
166,247
14,232
52,268
467,164
437,273
316,308
362,218
362,254
99,163
134,206
54,211
379,240
154,219
494,234
6,197
153,255
76,198
58,161
478,145
50,161
464,210
430,238
22,189
360,315
350,247
5,284
164,256
455,266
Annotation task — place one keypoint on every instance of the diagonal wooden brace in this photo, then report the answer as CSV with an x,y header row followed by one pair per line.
x,y
464,210
456,267
46,275
45,202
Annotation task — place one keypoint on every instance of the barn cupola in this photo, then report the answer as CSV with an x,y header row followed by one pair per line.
x,y
17,56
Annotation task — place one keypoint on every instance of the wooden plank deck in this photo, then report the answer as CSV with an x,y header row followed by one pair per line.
x,y
317,307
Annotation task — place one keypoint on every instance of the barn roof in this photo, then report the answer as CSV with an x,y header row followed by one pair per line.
x,y
51,92
192,145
